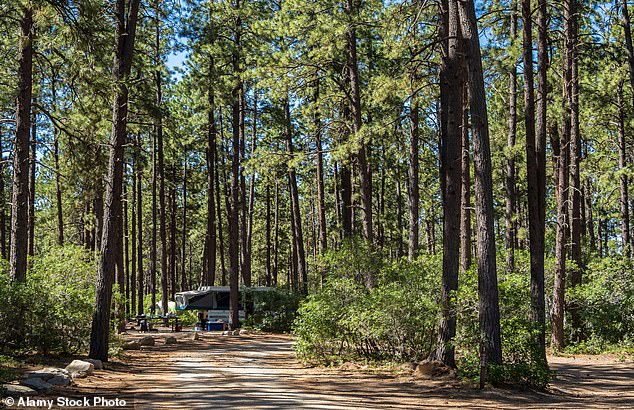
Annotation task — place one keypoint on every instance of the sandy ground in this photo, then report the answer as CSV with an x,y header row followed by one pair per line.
x,y
261,372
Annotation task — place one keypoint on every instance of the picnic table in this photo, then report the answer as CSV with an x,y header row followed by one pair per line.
x,y
150,320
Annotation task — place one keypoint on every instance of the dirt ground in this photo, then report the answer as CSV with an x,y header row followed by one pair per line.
x,y
261,372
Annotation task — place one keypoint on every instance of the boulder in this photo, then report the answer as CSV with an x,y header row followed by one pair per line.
x,y
96,362
147,341
59,381
432,369
16,390
48,373
227,333
170,340
131,346
37,384
80,368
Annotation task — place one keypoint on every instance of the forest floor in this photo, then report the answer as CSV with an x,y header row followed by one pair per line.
x,y
261,371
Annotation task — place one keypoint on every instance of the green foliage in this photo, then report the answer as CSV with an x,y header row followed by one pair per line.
x,y
606,302
393,321
275,310
52,311
522,362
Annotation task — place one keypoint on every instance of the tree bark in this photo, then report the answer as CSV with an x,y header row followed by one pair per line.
x,y
133,242
210,273
161,166
269,273
3,221
575,155
365,170
32,170
139,217
512,125
221,241
298,237
537,246
184,226
234,239
465,191
153,247
19,203
58,185
125,31
414,196
625,203
451,95
491,346
321,195
535,224
559,288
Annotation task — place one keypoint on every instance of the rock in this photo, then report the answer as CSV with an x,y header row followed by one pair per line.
x,y
16,390
227,333
80,368
432,369
170,340
47,374
147,341
37,384
59,381
195,336
131,346
408,367
96,362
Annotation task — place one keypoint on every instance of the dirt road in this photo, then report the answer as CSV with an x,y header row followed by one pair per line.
x,y
261,372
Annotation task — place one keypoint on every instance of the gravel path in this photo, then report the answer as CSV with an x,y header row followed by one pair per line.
x,y
261,372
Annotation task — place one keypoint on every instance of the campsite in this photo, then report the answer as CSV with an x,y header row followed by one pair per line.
x,y
316,204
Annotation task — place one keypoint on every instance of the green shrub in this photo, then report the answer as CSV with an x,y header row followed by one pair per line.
x,y
52,310
274,310
395,320
522,362
606,302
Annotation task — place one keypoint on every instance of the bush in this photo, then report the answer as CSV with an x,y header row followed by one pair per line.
x,y
606,302
275,310
522,362
52,310
395,320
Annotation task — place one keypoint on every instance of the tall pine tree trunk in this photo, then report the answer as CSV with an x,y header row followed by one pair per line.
x,y
298,237
575,164
233,209
491,346
161,166
32,170
559,290
210,273
451,95
58,185
20,198
535,224
465,191
139,219
125,31
365,170
414,197
625,204
512,131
